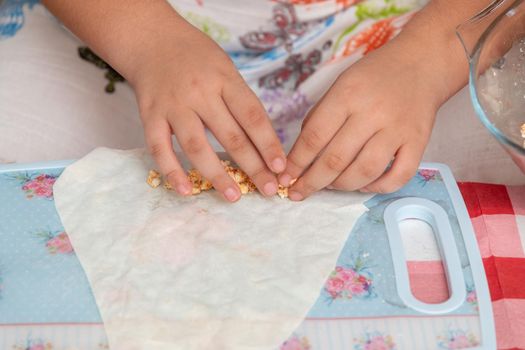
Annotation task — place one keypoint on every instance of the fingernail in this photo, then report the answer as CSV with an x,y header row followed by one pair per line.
x,y
231,194
295,196
285,180
278,165
184,189
330,187
364,190
270,189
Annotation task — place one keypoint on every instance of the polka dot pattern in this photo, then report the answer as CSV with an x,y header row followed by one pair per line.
x,y
41,282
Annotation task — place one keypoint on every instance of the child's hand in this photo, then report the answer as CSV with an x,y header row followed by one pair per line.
x,y
188,82
380,109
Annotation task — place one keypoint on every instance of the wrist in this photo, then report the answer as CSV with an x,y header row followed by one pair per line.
x,y
431,45
438,56
154,48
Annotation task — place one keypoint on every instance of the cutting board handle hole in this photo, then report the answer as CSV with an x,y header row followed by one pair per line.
x,y
428,281
425,212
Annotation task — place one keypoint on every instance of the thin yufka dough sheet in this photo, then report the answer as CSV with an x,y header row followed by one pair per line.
x,y
197,273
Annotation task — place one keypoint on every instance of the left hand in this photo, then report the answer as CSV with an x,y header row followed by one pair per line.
x,y
380,110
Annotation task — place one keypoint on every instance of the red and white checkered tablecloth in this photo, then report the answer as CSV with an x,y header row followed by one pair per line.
x,y
498,216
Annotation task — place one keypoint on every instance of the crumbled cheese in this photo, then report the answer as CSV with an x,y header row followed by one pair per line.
x,y
199,183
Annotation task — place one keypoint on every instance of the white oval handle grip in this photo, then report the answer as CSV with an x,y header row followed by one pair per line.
x,y
437,218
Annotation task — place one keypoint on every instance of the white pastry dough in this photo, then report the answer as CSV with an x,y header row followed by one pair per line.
x,y
170,272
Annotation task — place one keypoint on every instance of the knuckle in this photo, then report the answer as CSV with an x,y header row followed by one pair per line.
x,y
195,93
335,162
294,167
370,169
194,145
156,150
148,110
173,176
257,172
236,142
337,184
307,188
254,117
259,176
272,149
146,105
384,188
406,175
195,82
341,184
221,180
218,179
231,75
396,182
311,139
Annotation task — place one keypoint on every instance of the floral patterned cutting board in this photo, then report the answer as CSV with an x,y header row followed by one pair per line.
x,y
46,302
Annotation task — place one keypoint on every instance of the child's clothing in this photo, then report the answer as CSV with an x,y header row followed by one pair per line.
x,y
290,51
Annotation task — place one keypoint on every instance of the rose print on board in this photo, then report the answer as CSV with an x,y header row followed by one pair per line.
x,y
350,281
56,242
425,176
375,341
454,339
296,342
472,297
35,185
32,344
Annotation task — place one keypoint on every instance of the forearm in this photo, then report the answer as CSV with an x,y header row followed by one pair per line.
x,y
120,31
430,42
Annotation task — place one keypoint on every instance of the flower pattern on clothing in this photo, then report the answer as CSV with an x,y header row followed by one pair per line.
x,y
286,29
296,343
56,242
12,16
372,38
295,71
376,35
342,3
375,341
284,107
454,339
208,26
36,185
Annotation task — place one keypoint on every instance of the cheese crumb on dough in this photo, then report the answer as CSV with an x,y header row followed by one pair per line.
x,y
154,178
199,183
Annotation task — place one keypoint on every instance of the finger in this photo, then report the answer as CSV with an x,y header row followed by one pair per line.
x,y
158,139
251,116
336,157
190,133
370,163
309,116
238,145
323,123
403,168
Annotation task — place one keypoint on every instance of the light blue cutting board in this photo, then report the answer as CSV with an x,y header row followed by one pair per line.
x,y
366,301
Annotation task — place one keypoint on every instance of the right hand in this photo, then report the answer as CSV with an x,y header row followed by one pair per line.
x,y
186,83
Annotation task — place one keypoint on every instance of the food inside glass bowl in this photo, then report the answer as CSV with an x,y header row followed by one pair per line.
x,y
501,91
